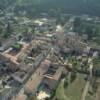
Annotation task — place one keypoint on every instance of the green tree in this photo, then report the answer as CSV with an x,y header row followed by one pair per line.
x,y
8,31
77,24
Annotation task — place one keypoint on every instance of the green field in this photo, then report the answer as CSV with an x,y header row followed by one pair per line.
x,y
60,95
73,91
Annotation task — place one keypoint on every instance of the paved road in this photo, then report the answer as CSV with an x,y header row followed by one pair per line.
x,y
87,83
85,90
98,93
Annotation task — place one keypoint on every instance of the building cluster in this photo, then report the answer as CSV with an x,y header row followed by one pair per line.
x,y
33,64
17,63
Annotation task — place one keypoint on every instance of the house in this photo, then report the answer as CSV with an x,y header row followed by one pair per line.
x,y
49,82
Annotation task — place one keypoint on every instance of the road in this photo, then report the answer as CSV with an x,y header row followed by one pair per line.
x,y
98,93
87,83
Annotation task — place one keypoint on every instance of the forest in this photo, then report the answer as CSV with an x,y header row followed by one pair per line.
x,y
90,7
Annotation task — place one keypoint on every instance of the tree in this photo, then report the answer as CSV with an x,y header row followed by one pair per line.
x,y
8,31
17,46
1,29
77,24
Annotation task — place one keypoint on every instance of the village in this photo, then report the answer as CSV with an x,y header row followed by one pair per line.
x,y
35,64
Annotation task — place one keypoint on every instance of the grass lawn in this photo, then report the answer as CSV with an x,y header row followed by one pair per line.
x,y
88,97
60,95
74,90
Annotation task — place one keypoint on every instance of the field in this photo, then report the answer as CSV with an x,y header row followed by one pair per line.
x,y
73,91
